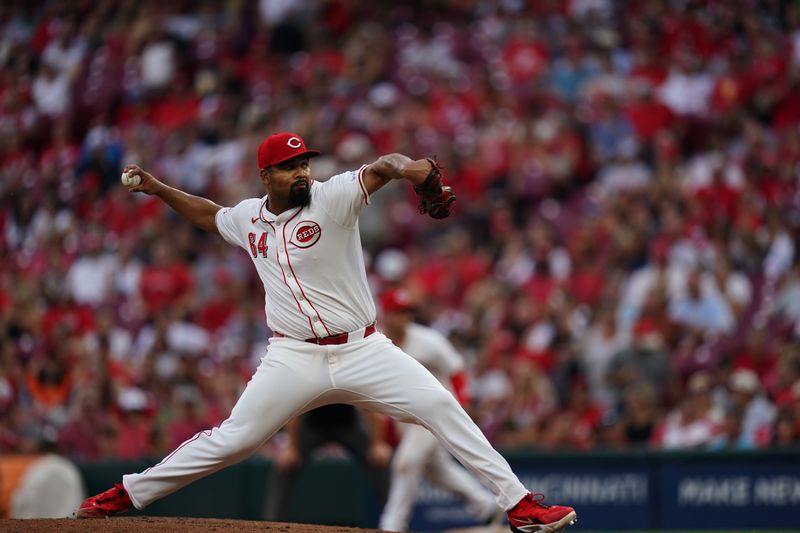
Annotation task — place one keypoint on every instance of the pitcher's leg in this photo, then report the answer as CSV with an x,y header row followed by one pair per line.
x,y
274,394
408,465
394,383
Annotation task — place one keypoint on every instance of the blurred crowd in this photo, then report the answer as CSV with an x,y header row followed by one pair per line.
x,y
622,270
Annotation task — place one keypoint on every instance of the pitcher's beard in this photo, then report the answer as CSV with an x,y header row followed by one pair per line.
x,y
299,196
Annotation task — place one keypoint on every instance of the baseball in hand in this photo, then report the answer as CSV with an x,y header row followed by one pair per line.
x,y
131,180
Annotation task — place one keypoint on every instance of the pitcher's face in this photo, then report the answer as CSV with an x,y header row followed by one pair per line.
x,y
289,181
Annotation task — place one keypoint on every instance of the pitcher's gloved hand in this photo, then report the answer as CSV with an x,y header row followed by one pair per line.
x,y
435,198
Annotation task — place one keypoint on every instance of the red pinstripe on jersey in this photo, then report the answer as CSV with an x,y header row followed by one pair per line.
x,y
361,183
278,260
288,260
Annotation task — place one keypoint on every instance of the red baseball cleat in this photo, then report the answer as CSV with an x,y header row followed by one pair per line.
x,y
112,502
530,515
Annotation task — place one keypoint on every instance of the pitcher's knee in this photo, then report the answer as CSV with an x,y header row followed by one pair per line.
x,y
246,446
236,441
433,404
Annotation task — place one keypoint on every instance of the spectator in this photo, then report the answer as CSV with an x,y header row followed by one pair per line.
x,y
641,415
609,132
705,313
602,342
167,280
625,171
695,422
687,89
219,308
49,383
611,434
785,433
157,62
653,282
731,437
100,159
787,305
758,412
757,355
571,70
51,91
66,51
186,418
733,285
644,362
90,276
78,438
134,425
127,275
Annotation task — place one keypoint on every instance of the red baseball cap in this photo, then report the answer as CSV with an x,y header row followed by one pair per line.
x,y
396,300
280,147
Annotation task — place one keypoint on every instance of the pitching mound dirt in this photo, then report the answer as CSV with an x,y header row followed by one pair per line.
x,y
166,525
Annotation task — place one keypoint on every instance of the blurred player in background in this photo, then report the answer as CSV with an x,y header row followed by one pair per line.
x,y
419,453
359,433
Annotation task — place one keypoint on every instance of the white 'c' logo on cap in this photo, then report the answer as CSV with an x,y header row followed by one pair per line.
x,y
293,142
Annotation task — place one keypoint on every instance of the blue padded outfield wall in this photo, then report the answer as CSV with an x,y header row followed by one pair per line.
x,y
651,490
642,490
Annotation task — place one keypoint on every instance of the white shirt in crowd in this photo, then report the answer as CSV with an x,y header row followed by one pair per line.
x,y
90,278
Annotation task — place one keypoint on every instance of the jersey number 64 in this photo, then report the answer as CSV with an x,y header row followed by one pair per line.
x,y
262,244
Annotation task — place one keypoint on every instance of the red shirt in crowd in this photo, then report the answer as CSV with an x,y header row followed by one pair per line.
x,y
76,319
648,117
160,286
134,436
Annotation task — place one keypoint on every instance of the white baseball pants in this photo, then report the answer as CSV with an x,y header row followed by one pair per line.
x,y
420,453
296,376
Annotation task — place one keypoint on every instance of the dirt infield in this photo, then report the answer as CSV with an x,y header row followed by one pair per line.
x,y
166,525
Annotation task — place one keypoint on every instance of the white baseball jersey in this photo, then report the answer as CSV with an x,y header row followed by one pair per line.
x,y
309,259
434,351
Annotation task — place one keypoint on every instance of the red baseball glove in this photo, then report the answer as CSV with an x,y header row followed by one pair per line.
x,y
435,198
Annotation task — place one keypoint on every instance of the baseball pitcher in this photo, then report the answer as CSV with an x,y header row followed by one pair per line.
x,y
303,239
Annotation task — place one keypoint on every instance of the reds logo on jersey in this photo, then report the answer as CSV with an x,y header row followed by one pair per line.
x,y
306,233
